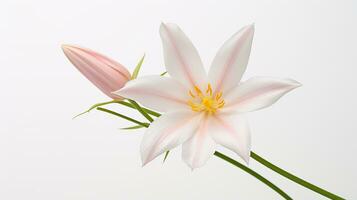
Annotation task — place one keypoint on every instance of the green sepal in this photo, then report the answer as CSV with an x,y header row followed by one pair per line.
x,y
137,68
95,106
134,127
166,154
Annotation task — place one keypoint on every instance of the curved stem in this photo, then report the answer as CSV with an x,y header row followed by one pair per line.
x,y
293,177
253,173
218,154
287,175
275,168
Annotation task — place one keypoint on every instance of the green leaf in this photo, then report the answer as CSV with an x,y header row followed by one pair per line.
x,y
137,68
129,105
166,154
134,127
163,74
95,106
141,110
123,116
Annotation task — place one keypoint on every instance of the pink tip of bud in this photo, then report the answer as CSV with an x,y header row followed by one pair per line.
x,y
105,73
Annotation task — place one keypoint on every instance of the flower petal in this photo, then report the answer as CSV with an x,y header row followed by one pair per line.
x,y
231,60
232,132
156,92
181,57
258,92
167,132
197,150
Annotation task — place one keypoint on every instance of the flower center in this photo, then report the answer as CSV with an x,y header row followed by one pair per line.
x,y
205,101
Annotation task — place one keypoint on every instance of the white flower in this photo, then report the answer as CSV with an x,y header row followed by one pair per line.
x,y
200,111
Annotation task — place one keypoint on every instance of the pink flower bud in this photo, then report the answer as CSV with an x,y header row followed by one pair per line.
x,y
105,73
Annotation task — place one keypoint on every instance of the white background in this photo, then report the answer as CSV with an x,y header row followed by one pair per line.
x,y
44,154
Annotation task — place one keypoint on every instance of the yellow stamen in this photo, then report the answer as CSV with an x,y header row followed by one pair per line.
x,y
209,89
193,96
205,102
218,95
198,90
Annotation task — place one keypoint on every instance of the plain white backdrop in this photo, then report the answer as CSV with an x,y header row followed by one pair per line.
x,y
44,154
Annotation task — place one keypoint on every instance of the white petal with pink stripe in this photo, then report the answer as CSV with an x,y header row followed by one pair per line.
x,y
200,114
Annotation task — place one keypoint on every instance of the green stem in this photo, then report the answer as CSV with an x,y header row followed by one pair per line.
x,y
294,178
253,173
123,116
288,175
218,154
140,109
